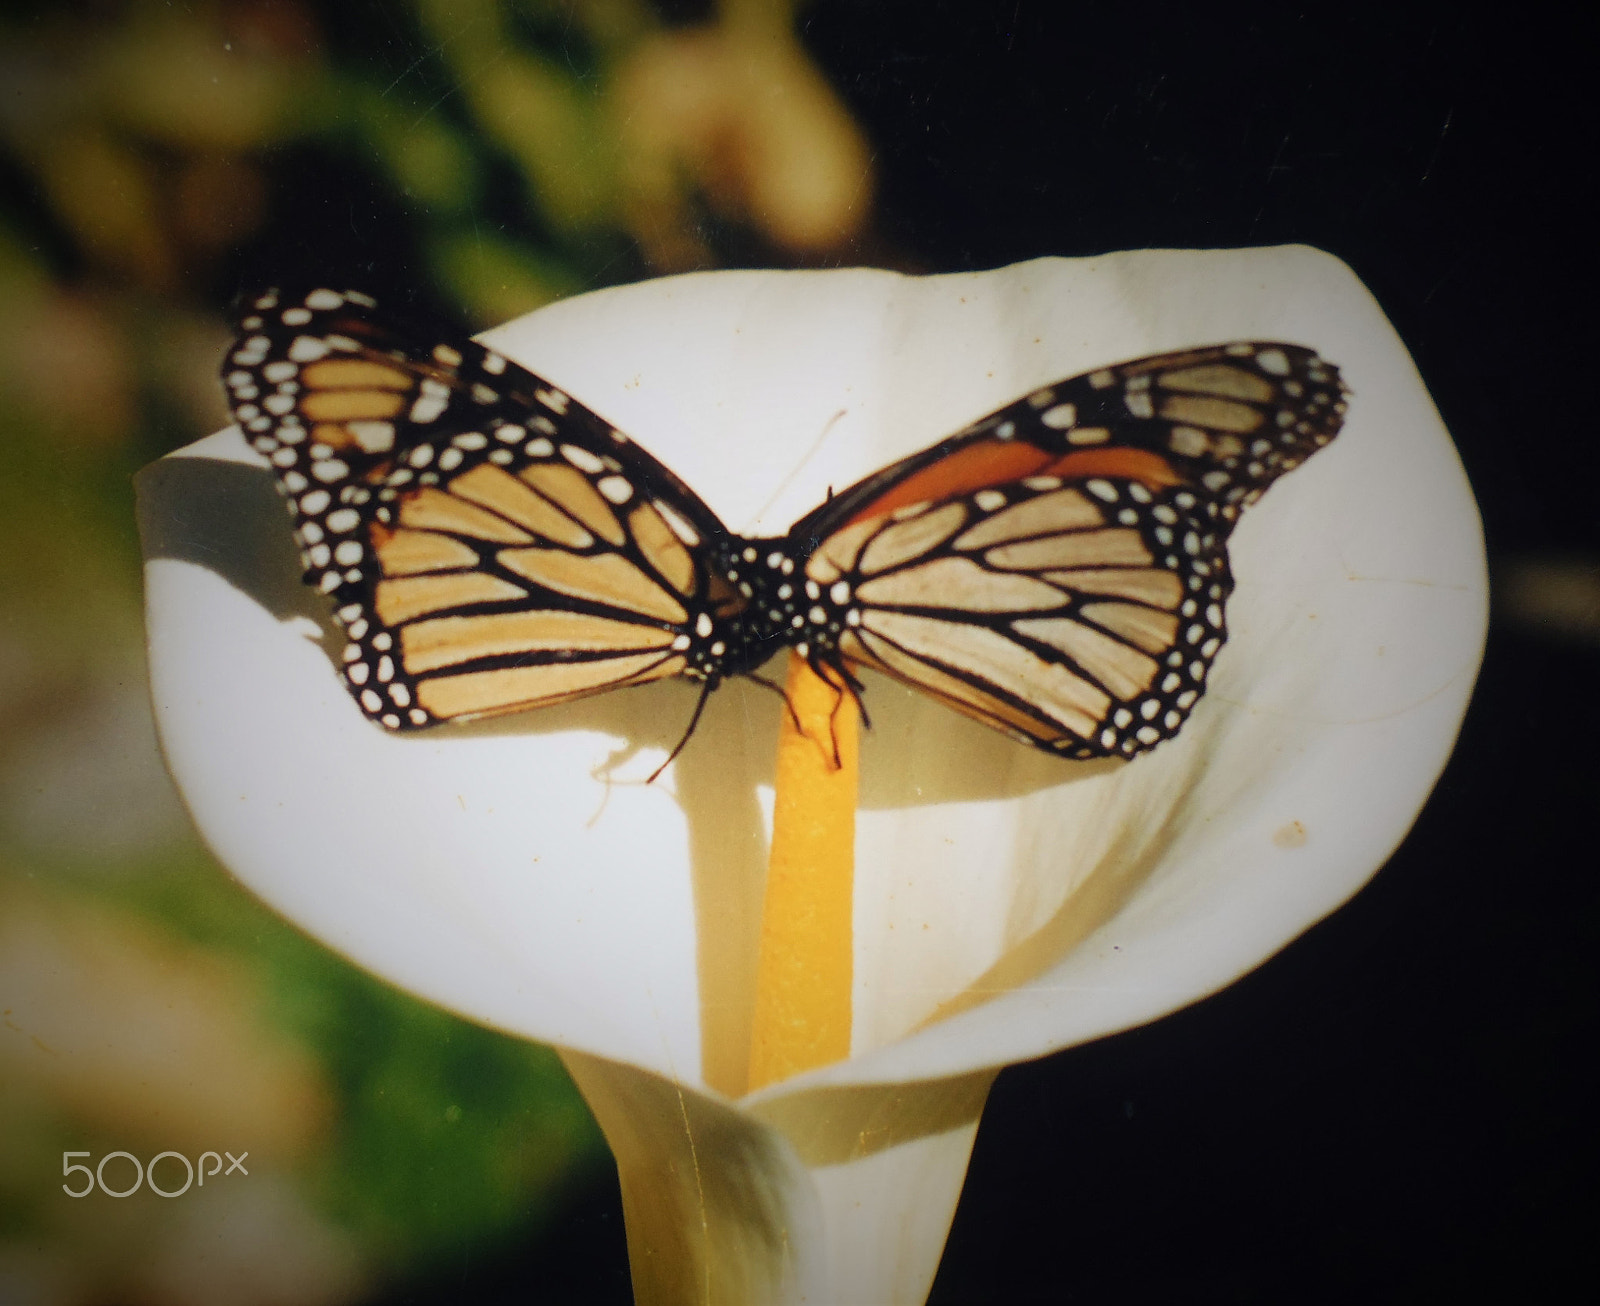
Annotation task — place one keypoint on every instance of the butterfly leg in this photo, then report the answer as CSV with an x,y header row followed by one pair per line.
x,y
694,721
851,684
837,675
782,693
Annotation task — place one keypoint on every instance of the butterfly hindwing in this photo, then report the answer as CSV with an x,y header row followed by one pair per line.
x,y
1081,617
489,543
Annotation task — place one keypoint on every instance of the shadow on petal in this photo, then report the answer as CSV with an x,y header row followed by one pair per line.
x,y
226,517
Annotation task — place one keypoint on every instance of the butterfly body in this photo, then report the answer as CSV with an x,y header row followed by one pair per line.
x,y
1057,570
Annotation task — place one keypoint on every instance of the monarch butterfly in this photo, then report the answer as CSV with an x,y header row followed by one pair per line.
x,y
1057,570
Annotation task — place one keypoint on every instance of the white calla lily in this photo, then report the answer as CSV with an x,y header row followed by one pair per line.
x,y
1007,903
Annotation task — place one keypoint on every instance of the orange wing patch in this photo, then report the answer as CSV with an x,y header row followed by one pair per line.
x,y
355,374
1133,464
989,462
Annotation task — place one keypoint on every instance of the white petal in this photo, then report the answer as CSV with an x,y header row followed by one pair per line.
x,y
1034,903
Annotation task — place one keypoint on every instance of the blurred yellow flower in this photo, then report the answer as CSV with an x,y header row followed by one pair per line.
x,y
749,124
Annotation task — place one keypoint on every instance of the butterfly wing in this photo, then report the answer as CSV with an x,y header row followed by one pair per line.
x,y
488,542
1059,570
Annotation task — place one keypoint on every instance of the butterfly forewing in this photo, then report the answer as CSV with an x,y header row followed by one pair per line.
x,y
489,543
1226,420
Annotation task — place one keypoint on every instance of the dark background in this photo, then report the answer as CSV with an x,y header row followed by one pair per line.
x,y
1399,1107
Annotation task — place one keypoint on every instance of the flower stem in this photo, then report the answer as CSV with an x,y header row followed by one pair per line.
x,y
803,975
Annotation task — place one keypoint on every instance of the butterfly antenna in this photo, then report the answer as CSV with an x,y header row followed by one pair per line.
x,y
799,465
781,692
699,707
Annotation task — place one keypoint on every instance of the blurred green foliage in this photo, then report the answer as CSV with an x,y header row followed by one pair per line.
x,y
451,1134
